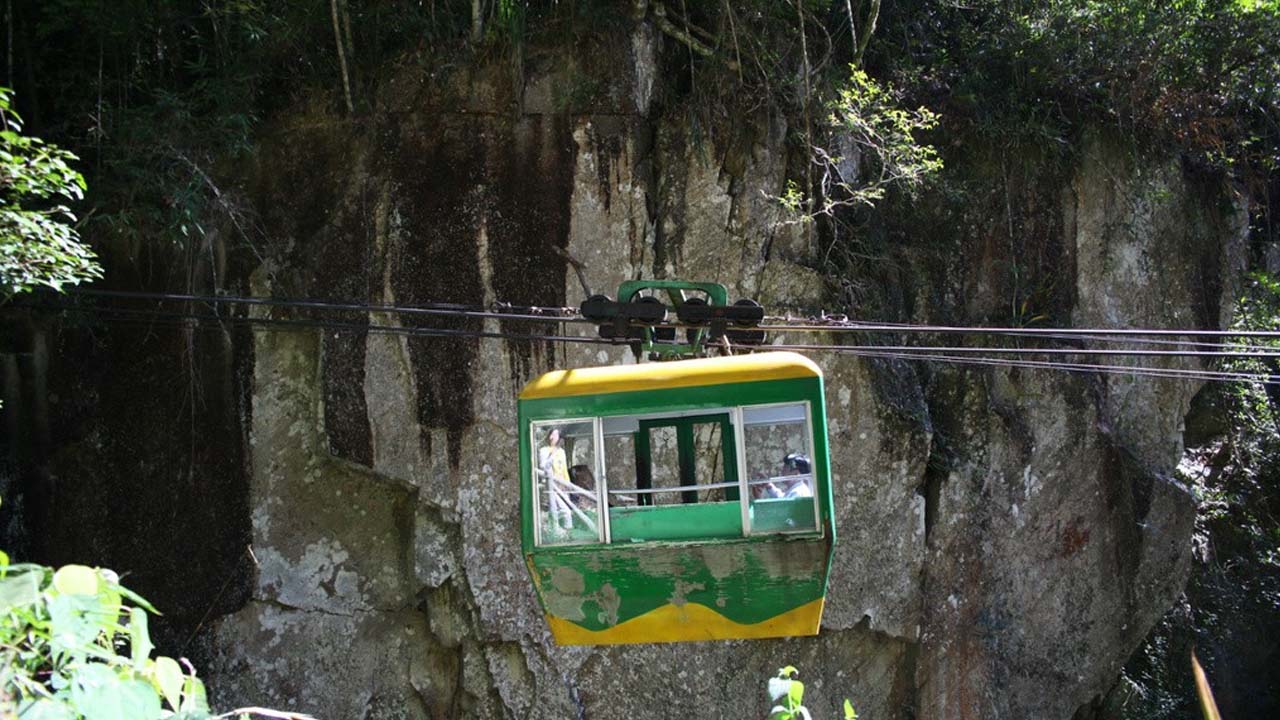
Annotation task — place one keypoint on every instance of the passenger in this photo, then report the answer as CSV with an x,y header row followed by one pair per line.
x,y
796,480
553,466
761,488
799,471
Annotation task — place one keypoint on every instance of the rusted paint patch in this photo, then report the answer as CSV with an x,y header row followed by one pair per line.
x,y
610,602
568,581
679,596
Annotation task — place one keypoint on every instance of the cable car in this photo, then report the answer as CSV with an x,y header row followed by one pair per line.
x,y
677,501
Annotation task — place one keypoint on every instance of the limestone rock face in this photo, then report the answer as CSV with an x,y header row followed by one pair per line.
x,y
1144,258
1053,553
1006,536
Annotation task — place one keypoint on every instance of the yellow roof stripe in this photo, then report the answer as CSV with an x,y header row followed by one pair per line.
x,y
674,374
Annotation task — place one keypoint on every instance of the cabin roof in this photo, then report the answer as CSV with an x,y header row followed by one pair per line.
x,y
675,374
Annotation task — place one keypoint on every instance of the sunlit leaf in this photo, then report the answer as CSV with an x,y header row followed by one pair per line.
x,y
74,623
98,694
76,580
168,678
796,692
194,698
139,637
19,589
45,709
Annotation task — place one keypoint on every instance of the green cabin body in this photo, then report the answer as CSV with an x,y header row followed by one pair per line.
x,y
714,480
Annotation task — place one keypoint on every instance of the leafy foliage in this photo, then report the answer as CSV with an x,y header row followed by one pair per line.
x,y
881,137
787,694
38,244
1198,75
74,644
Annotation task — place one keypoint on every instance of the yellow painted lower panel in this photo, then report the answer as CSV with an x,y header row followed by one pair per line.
x,y
689,622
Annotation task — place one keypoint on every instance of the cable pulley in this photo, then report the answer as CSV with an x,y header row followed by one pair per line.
x,y
641,318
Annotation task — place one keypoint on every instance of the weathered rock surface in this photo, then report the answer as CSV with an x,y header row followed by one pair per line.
x,y
1006,537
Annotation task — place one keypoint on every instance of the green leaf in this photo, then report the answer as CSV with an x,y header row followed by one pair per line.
x,y
99,694
168,679
849,714
136,598
18,590
139,638
796,692
74,623
76,580
45,709
194,698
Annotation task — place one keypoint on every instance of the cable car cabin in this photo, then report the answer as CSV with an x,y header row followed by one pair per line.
x,y
685,500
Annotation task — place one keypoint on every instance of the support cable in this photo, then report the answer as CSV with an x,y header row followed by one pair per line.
x,y
905,353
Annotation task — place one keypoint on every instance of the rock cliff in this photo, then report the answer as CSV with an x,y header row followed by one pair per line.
x,y
1007,536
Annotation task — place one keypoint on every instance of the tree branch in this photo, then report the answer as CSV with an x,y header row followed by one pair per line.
x,y
694,44
578,268
342,56
869,27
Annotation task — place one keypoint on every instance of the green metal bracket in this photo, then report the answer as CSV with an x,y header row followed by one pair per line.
x,y
678,292
675,289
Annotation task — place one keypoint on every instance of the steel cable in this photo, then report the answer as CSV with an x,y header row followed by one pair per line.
x,y
905,353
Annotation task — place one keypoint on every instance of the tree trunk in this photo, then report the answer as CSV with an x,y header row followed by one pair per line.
x,y
342,55
868,27
477,21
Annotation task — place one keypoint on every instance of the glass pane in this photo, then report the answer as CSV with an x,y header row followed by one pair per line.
x,y
564,481
620,466
664,464
779,468
708,444
661,474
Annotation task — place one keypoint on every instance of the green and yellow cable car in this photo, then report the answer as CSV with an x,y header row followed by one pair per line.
x,y
675,501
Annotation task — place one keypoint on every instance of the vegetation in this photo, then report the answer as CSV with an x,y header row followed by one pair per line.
x,y
787,694
883,152
74,644
1200,74
162,100
173,90
38,244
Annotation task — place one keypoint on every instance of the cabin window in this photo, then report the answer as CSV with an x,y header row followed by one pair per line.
x,y
671,477
779,464
675,476
682,460
566,494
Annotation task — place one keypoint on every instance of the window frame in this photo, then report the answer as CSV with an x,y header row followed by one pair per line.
x,y
597,464
686,449
819,526
736,424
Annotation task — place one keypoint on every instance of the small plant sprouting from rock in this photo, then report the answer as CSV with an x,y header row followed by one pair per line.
x,y
787,695
873,146
74,645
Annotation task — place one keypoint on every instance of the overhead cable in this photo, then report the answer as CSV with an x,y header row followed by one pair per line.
x,y
905,353
780,324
